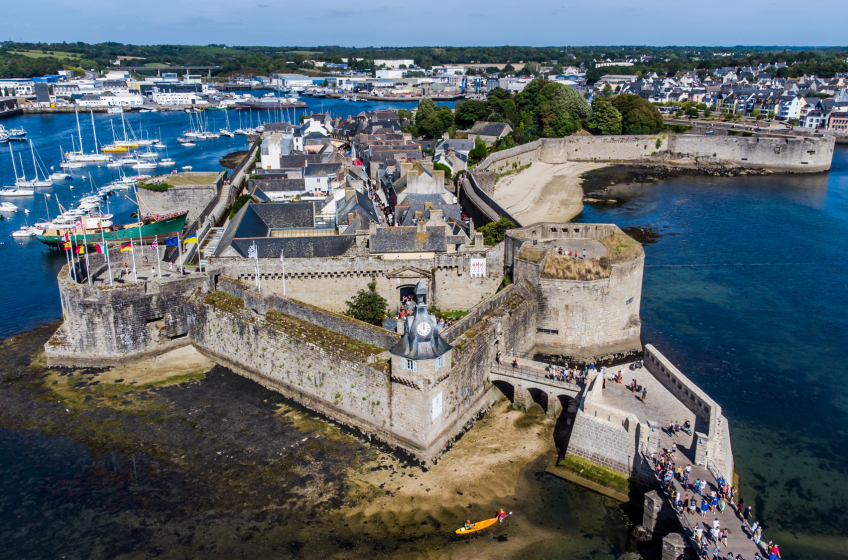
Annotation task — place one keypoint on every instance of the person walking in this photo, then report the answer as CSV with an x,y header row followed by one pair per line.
x,y
747,515
644,394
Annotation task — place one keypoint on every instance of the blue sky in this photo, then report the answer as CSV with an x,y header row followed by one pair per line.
x,y
439,22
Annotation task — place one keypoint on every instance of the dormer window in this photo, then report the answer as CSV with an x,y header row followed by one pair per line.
x,y
409,365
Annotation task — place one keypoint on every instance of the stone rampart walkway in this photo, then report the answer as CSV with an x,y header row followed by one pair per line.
x,y
739,540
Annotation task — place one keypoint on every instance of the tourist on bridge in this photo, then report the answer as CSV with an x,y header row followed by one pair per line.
x,y
704,508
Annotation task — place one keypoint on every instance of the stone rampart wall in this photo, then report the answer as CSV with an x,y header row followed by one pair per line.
x,y
602,442
478,312
193,198
716,441
125,322
490,201
800,154
329,283
503,160
347,326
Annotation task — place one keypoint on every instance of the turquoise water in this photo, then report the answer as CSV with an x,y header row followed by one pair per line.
x,y
746,291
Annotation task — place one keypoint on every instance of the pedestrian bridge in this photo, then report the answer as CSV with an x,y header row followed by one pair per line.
x,y
526,384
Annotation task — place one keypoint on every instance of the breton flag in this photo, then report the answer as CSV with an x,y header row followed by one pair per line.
x,y
101,248
126,247
192,239
154,245
66,245
172,242
251,252
80,249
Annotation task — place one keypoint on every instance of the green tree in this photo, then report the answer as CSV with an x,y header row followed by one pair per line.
x,y
756,113
638,116
426,107
469,112
367,306
691,112
605,118
442,167
509,68
478,152
493,233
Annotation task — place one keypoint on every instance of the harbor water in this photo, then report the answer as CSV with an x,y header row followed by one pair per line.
x,y
745,289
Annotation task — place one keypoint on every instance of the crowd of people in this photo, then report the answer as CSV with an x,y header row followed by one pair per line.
x,y
569,374
572,254
707,498
407,308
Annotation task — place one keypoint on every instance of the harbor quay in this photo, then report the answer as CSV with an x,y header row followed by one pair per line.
x,y
419,386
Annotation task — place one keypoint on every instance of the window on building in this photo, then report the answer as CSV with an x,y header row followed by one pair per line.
x,y
440,361
409,364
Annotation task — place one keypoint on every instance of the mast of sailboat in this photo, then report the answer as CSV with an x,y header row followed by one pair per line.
x,y
79,131
123,122
94,130
15,169
23,171
34,165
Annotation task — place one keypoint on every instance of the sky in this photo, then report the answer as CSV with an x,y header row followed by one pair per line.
x,y
438,22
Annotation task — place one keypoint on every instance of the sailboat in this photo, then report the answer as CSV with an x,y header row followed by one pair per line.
x,y
81,156
35,182
19,181
226,131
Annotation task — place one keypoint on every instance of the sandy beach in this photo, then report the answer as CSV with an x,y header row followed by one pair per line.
x,y
544,192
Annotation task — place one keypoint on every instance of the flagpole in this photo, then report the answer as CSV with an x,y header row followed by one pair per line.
x,y
132,250
158,264
180,248
85,249
106,249
67,257
73,266
283,259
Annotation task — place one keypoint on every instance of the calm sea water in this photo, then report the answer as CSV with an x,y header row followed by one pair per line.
x,y
746,291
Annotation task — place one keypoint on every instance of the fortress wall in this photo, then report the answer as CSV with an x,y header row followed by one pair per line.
x,y
591,319
193,198
503,160
601,148
316,373
125,322
478,312
717,438
330,282
806,155
790,154
466,392
347,326
602,442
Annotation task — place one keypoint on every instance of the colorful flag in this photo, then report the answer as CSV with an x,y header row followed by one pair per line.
x,y
78,224
101,248
66,245
172,242
192,239
251,252
80,249
126,247
154,245
67,236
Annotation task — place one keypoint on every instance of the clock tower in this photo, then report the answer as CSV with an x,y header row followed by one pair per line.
x,y
422,354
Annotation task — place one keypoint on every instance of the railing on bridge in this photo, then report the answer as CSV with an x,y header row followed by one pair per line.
x,y
533,374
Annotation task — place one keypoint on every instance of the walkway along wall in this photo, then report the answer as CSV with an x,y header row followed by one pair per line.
x,y
713,444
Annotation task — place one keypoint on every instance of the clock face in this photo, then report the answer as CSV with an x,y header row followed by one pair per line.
x,y
423,329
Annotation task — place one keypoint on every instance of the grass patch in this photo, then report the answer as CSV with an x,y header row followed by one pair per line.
x,y
563,267
324,338
510,172
54,54
161,187
224,301
531,254
596,473
621,248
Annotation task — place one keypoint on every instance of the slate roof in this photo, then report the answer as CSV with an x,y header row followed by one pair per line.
x,y
321,169
484,128
272,185
297,247
294,161
408,240
449,211
360,205
458,145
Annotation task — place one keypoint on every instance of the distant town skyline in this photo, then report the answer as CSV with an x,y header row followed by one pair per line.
x,y
375,23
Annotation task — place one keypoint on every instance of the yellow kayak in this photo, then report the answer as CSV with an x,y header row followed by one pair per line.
x,y
480,525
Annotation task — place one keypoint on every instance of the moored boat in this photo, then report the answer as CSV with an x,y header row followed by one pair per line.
x,y
152,225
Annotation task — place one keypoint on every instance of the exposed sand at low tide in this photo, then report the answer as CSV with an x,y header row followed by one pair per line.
x,y
544,192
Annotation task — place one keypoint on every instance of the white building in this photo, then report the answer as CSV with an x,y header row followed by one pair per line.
x,y
289,81
177,98
16,87
108,99
397,63
389,74
276,145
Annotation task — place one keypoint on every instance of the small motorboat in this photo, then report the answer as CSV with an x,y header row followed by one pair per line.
x,y
27,231
187,168
167,162
61,176
8,207
14,191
